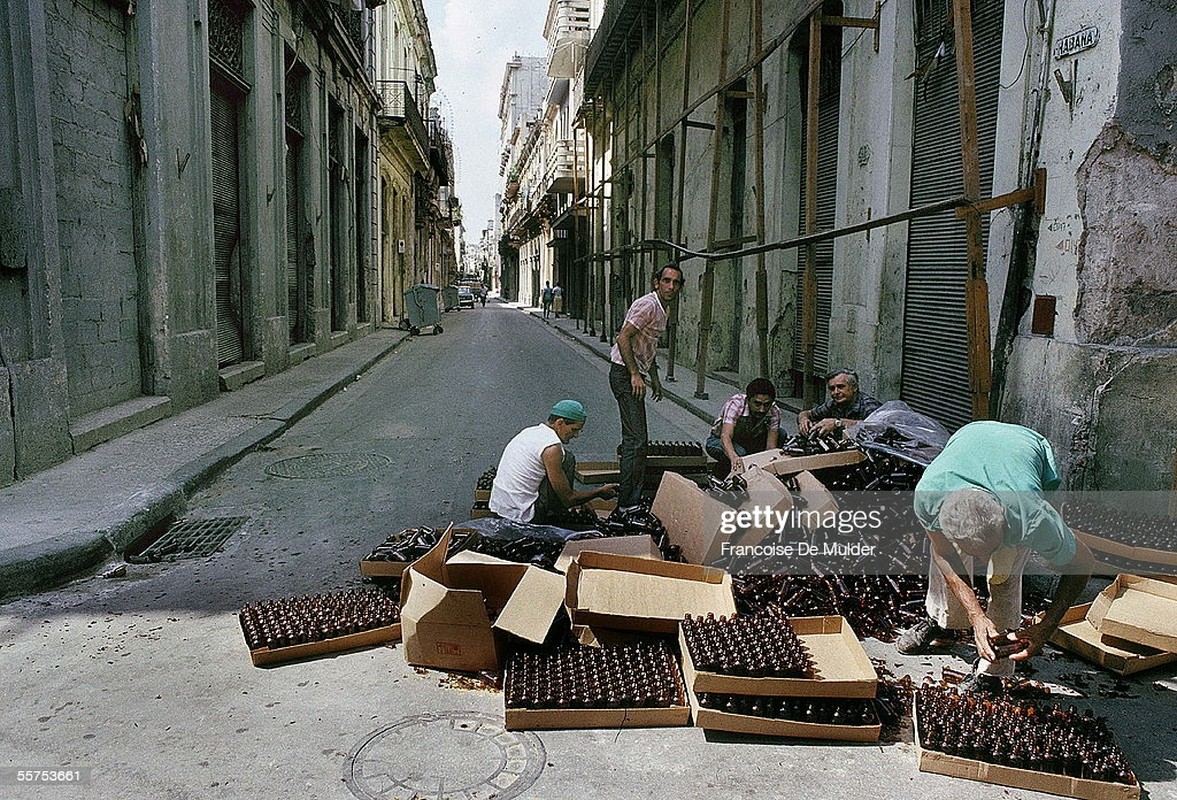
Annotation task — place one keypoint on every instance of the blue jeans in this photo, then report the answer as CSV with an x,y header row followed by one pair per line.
x,y
548,507
723,466
632,450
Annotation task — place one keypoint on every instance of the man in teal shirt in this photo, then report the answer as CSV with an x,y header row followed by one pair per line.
x,y
984,497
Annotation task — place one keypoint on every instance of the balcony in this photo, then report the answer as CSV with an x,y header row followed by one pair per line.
x,y
398,110
568,37
441,152
566,163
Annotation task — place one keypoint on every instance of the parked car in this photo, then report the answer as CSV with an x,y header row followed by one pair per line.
x,y
465,297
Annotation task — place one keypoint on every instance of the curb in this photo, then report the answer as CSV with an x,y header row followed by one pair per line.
x,y
48,564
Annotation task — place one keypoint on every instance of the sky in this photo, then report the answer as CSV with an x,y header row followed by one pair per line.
x,y
472,42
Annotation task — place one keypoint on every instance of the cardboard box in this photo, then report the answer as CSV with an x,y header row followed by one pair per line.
x,y
610,471
816,496
641,546
444,604
713,720
538,719
1076,634
843,668
1120,550
694,519
1140,610
479,511
598,471
958,767
779,463
339,644
633,593
382,569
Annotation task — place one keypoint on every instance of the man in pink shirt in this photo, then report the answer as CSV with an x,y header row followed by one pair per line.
x,y
632,368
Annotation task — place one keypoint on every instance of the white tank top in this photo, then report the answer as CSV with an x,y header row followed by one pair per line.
x,y
520,472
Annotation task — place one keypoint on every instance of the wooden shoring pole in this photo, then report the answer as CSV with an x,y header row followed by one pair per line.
x,y
809,277
976,287
597,232
680,187
707,299
641,268
579,285
758,179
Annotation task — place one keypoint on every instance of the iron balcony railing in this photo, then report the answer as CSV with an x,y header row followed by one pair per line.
x,y
398,108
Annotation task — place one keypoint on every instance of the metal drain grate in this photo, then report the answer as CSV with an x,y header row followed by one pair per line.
x,y
327,465
188,538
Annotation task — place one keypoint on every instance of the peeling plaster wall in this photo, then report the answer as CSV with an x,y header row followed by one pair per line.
x,y
1127,283
1101,387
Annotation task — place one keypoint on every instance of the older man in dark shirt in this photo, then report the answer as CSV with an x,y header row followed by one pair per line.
x,y
847,405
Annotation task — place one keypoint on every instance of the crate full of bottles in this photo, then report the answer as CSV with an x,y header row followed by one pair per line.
x,y
634,684
1020,743
769,675
314,625
771,655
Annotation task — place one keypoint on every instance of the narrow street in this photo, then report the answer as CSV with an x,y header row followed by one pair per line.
x,y
147,680
144,681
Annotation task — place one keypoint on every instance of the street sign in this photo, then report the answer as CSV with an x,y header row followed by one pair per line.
x,y
1077,42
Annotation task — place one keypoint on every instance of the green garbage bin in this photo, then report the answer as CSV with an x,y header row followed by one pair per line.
x,y
421,305
450,295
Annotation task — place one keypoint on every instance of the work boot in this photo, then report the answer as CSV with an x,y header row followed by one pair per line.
x,y
918,638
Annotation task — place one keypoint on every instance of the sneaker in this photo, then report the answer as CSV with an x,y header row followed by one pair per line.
x,y
919,637
980,683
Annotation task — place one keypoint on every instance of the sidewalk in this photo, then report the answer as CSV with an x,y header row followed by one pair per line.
x,y
61,522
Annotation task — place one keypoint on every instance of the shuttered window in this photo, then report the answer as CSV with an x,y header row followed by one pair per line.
x,y
226,227
935,377
827,192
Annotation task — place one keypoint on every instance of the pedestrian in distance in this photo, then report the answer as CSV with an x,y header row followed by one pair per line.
x,y
748,423
846,406
632,370
984,498
546,298
482,294
536,474
557,299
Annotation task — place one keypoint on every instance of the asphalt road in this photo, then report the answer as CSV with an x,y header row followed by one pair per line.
x,y
146,682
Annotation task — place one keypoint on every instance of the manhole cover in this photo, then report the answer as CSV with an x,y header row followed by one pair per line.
x,y
327,465
455,755
187,538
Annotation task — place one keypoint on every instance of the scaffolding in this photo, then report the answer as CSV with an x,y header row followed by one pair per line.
x,y
625,27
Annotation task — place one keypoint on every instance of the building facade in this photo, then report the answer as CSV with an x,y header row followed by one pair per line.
x,y
722,128
189,200
521,117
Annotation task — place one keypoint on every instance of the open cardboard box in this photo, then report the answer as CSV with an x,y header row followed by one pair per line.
x,y
444,617
382,569
642,594
1076,634
694,519
678,714
842,666
1051,783
538,719
263,656
1140,610
714,720
640,546
1111,547
780,463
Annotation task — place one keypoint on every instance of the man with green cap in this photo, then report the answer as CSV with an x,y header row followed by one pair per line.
x,y
535,476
